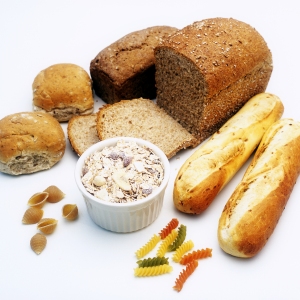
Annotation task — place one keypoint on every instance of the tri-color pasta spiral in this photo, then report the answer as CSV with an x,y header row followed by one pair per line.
x,y
181,250
166,242
185,274
150,245
154,261
153,271
179,239
167,230
195,255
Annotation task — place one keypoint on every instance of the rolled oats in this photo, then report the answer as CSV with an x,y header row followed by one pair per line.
x,y
122,173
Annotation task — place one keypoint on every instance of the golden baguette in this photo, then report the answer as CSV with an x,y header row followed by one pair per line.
x,y
211,166
253,211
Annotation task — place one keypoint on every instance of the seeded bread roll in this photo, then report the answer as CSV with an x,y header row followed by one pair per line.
x,y
30,142
82,132
63,90
255,207
207,71
142,118
205,173
125,69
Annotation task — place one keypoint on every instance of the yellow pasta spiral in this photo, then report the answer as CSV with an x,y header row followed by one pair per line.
x,y
153,271
150,245
166,242
185,247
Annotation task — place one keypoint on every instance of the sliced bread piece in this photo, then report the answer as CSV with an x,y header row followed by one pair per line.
x,y
82,132
142,118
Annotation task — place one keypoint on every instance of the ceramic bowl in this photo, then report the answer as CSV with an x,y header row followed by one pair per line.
x,y
123,217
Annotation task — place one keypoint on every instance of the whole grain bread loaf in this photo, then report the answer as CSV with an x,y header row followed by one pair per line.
x,y
142,118
125,69
208,70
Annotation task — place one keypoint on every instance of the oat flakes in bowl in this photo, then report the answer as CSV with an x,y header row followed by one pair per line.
x,y
123,181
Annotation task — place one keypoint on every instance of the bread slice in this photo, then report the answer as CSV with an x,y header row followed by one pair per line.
x,y
142,118
208,70
82,132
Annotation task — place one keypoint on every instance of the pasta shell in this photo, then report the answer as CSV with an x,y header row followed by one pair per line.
x,y
70,212
55,194
38,199
47,225
32,215
38,243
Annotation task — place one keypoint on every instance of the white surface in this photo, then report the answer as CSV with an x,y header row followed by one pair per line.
x,y
83,261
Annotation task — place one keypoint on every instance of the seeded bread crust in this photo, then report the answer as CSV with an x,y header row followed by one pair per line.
x,y
63,90
125,69
30,142
82,132
142,118
208,70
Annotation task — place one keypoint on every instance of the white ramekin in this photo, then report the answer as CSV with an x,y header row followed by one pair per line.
x,y
123,217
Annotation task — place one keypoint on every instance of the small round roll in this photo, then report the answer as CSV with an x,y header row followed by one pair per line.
x,y
63,90
30,142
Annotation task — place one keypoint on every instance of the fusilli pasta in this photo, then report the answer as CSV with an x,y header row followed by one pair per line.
x,y
150,245
185,274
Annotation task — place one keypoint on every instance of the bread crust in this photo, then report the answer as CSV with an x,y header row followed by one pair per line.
x,y
213,164
254,209
63,90
125,69
208,70
30,142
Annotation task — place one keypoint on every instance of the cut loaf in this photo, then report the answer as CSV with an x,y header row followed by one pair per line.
x,y
142,118
207,71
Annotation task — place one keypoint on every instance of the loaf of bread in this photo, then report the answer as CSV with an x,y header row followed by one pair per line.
x,y
63,90
82,132
255,207
125,69
207,71
213,164
142,118
30,142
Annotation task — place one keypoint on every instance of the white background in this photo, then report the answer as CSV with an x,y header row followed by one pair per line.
x,y
83,261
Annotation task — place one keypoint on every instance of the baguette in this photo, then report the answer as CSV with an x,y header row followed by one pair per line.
x,y
212,165
253,211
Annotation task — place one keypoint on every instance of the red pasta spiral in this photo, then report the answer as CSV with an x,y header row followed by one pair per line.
x,y
203,253
170,226
184,275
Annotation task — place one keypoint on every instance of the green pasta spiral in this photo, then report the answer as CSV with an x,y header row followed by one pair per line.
x,y
154,261
179,239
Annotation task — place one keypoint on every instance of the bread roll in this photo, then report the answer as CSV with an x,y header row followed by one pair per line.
x,y
253,211
213,164
125,69
63,90
207,71
30,142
